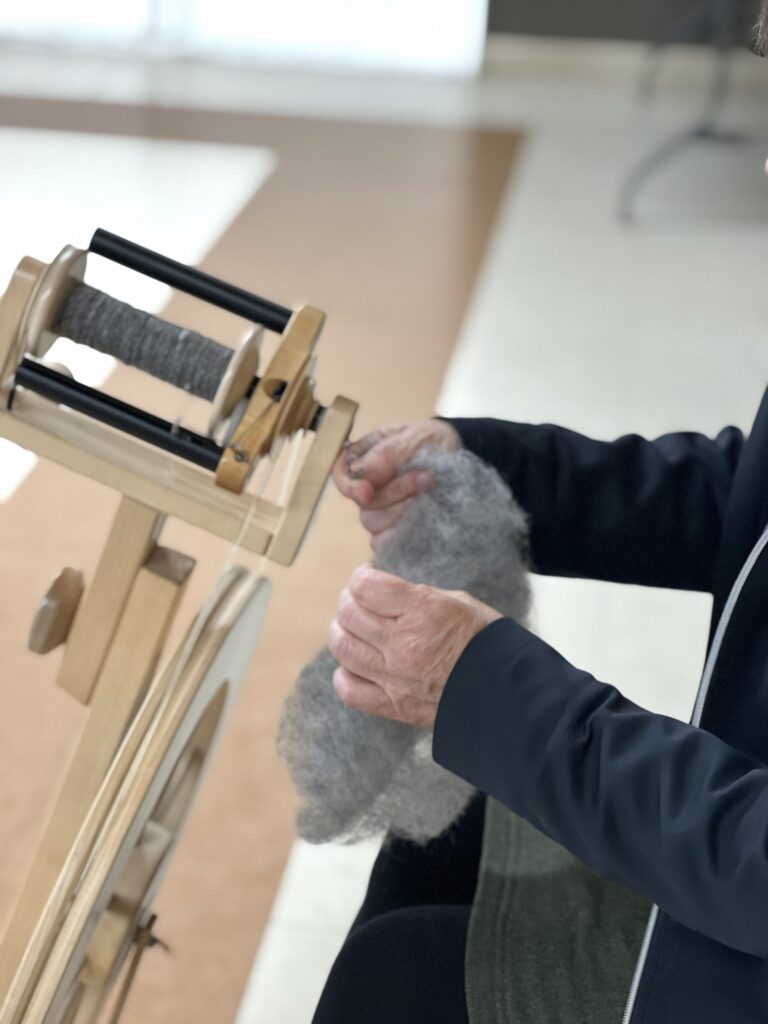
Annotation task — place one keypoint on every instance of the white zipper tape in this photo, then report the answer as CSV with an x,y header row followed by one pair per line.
x,y
698,710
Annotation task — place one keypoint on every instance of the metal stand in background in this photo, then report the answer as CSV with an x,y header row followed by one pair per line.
x,y
719,23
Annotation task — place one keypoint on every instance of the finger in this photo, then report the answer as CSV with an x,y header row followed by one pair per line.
x,y
380,592
361,694
368,441
405,485
371,629
360,491
381,463
382,519
355,654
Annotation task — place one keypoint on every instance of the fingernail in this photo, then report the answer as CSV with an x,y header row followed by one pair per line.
x,y
425,481
357,473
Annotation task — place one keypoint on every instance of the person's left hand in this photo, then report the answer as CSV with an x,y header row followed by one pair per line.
x,y
397,643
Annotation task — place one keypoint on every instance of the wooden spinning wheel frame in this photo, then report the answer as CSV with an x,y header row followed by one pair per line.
x,y
84,916
102,900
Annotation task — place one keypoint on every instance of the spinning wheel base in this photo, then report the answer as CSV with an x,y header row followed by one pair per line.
x,y
102,899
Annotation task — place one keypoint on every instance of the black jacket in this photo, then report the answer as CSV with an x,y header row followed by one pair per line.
x,y
675,812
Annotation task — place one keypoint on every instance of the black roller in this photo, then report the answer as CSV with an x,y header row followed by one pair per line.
x,y
171,437
188,279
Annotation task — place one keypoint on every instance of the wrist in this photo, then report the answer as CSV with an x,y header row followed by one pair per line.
x,y
448,434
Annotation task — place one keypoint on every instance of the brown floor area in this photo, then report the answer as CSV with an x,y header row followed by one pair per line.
x,y
384,227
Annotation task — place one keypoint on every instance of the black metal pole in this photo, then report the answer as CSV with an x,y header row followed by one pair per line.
x,y
178,440
188,279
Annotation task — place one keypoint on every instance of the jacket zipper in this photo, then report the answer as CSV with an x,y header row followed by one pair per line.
x,y
698,709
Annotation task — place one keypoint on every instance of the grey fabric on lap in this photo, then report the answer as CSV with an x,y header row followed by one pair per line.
x,y
550,942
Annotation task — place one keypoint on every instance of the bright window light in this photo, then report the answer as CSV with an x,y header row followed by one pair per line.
x,y
86,19
431,36
417,36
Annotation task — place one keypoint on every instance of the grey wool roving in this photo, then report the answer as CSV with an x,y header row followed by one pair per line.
x,y
360,775
184,358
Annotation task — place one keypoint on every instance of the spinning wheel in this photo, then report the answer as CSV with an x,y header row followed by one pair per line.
x,y
103,899
85,914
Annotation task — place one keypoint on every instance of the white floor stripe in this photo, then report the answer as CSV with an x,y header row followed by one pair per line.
x,y
319,895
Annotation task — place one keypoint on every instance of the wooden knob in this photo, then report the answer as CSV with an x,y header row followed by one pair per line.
x,y
55,613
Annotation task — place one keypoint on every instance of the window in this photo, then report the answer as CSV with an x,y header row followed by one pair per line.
x,y
421,36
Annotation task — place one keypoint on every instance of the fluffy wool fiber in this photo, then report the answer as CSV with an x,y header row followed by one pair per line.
x,y
360,775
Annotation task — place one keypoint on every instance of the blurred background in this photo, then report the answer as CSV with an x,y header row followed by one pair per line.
x,y
547,213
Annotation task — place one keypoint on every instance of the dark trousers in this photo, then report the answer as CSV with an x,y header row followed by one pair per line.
x,y
403,960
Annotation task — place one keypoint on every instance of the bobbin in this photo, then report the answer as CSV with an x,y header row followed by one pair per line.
x,y
238,394
96,433
37,332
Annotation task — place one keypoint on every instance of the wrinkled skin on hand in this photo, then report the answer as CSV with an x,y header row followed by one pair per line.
x,y
360,775
369,471
398,642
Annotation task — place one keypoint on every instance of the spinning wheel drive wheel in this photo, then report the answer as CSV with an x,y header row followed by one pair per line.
x,y
99,914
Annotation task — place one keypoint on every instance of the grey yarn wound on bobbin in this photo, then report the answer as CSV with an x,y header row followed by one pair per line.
x,y
360,775
185,358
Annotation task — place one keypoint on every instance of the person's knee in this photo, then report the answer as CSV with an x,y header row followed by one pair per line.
x,y
404,965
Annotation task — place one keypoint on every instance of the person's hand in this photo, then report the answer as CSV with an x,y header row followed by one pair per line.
x,y
397,644
367,471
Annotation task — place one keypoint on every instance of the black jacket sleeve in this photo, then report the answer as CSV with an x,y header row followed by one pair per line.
x,y
667,809
629,511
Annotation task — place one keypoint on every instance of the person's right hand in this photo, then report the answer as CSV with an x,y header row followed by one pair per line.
x,y
368,471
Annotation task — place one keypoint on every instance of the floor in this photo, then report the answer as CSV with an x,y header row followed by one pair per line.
x,y
574,317
344,214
